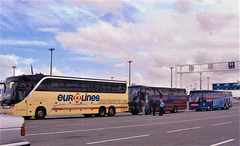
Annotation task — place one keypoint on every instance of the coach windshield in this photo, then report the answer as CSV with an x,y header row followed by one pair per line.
x,y
9,93
13,93
133,93
195,97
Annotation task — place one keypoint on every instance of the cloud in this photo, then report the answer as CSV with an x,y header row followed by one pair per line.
x,y
7,61
105,39
23,42
17,60
6,66
63,14
101,60
23,66
183,6
213,22
120,65
82,58
154,34
104,4
161,40
52,29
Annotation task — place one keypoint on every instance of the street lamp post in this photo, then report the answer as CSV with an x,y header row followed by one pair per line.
x,y
208,83
51,49
171,75
14,67
200,80
129,72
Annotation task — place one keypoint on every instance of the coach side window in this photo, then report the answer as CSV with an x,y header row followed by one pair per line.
x,y
43,86
56,85
151,92
72,86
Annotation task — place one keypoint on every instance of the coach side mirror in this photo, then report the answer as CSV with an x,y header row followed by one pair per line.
x,y
4,87
11,85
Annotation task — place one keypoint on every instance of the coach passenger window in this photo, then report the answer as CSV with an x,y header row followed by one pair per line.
x,y
151,92
56,85
157,93
97,87
43,86
72,86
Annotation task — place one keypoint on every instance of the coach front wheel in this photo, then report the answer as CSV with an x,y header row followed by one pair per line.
x,y
175,109
40,113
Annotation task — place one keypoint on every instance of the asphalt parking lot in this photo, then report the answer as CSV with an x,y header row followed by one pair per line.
x,y
218,127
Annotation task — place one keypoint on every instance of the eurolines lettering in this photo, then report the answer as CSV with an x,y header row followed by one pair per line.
x,y
77,97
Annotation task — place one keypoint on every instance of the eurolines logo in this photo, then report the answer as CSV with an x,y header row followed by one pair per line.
x,y
77,97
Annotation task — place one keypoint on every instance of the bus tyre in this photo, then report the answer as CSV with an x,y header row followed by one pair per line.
x,y
149,112
111,111
40,113
175,109
209,108
102,112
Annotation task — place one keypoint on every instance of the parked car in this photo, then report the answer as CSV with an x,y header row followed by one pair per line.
x,y
12,130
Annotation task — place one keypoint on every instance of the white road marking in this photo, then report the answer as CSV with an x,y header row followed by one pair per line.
x,y
61,132
222,142
118,139
32,126
123,121
76,124
94,123
221,124
130,126
183,129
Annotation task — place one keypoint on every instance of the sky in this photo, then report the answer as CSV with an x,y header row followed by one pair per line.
x,y
95,39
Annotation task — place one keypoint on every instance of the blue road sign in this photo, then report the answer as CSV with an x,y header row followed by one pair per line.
x,y
226,86
231,65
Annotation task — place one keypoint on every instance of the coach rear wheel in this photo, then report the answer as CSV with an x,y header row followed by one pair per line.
x,y
111,111
102,112
209,108
175,109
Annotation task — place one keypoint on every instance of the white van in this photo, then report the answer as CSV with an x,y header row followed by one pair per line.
x,y
12,131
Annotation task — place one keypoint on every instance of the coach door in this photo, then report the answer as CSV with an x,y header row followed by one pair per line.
x,y
19,96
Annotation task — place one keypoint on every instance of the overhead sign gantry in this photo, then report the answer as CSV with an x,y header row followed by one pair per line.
x,y
204,67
